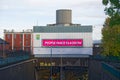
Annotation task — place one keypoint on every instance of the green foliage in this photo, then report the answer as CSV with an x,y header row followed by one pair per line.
x,y
111,31
105,2
113,10
112,7
115,20
111,40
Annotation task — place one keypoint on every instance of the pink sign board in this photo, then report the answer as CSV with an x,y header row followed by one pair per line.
x,y
62,42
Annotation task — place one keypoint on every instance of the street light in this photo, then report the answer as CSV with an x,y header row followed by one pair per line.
x,y
61,65
51,63
61,68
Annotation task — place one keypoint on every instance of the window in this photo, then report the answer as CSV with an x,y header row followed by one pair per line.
x,y
8,36
21,36
27,36
21,43
14,36
97,45
26,43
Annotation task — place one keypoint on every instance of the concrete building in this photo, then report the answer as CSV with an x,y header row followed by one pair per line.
x,y
62,37
97,48
62,48
19,40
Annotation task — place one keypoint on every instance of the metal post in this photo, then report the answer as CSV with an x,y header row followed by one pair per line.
x,y
61,68
36,75
51,64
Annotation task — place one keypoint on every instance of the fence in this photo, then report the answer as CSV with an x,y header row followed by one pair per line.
x,y
13,58
104,68
111,70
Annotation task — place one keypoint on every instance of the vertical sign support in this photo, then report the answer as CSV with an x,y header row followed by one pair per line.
x,y
61,68
51,63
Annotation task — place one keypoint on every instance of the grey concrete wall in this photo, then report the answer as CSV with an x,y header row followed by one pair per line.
x,y
20,71
94,70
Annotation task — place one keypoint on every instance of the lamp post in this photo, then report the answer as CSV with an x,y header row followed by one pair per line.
x,y
61,67
51,63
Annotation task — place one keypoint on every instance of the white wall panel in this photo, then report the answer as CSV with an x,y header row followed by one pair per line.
x,y
63,51
87,38
87,43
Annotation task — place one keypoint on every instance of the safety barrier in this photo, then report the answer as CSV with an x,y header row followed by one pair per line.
x,y
106,58
110,69
14,59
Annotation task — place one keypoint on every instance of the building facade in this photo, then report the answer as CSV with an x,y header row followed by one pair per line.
x,y
62,37
19,40
62,49
62,46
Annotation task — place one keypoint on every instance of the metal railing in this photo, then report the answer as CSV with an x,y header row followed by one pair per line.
x,y
110,69
106,58
13,59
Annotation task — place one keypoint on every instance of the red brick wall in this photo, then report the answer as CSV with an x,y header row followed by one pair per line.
x,y
8,38
18,41
27,42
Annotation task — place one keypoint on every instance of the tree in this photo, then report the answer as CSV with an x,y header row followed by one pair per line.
x,y
111,30
112,9
111,40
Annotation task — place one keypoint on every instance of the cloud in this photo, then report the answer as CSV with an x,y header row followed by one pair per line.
x,y
32,4
97,35
27,12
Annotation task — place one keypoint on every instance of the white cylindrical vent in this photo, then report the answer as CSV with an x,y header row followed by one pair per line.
x,y
63,16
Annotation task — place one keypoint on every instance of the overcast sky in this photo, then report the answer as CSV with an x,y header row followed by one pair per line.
x,y
24,14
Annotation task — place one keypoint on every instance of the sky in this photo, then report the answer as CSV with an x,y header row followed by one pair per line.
x,y
24,14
